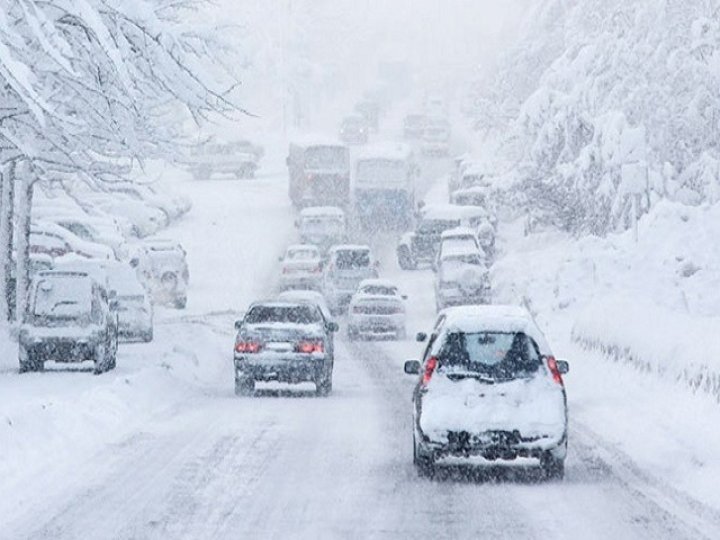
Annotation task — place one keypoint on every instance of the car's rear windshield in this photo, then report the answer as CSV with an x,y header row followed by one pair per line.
x,y
323,225
438,226
501,355
302,314
302,254
326,157
64,299
350,259
380,290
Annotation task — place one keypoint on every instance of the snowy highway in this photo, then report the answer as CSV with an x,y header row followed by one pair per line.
x,y
191,460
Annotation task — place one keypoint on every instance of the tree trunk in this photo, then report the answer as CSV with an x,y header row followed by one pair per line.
x,y
22,234
7,207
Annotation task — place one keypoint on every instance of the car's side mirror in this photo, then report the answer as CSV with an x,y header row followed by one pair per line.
x,y
404,296
412,367
421,337
563,367
238,324
332,326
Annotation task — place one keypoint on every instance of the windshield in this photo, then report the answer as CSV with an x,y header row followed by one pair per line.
x,y
497,354
351,259
326,157
381,172
437,226
303,314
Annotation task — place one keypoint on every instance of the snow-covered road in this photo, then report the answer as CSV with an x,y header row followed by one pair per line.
x,y
164,449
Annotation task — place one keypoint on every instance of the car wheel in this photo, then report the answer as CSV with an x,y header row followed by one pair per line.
x,y
323,387
147,337
424,465
552,467
112,362
102,359
244,387
28,362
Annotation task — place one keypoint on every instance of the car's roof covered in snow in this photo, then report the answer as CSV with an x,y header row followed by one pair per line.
x,y
386,150
322,211
457,232
377,283
495,318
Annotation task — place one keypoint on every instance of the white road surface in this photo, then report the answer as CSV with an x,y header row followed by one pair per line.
x,y
162,448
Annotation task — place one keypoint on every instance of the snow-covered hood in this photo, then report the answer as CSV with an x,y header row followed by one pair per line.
x,y
534,407
466,275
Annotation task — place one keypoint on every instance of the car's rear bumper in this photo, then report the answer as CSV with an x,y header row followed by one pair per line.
x,y
492,446
63,350
288,370
376,324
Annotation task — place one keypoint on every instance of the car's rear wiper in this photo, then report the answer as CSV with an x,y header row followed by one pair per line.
x,y
458,376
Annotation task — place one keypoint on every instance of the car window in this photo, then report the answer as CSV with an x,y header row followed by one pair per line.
x,y
326,157
501,355
437,226
301,254
471,259
304,314
323,225
351,259
63,298
379,290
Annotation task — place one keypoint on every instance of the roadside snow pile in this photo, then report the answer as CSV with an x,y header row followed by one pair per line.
x,y
654,303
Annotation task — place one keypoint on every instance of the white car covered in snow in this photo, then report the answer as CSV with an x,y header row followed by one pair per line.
x,y
301,268
462,277
377,309
489,387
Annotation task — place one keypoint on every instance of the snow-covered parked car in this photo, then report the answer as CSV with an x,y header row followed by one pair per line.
x,y
239,158
173,206
69,319
134,308
323,226
301,268
489,387
377,309
462,277
51,239
347,266
97,230
287,342
145,219
162,268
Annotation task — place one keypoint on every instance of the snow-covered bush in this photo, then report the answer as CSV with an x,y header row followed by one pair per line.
x,y
602,71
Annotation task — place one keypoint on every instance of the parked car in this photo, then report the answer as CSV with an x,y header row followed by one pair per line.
x,y
323,226
134,308
162,268
421,245
489,386
173,206
462,278
145,219
354,130
240,158
377,309
347,266
285,342
414,126
51,239
95,230
301,268
69,319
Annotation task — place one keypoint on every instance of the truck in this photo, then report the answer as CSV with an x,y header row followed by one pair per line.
x,y
319,173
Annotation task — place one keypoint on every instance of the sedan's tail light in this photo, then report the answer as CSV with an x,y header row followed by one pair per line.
x,y
554,371
310,347
248,347
430,366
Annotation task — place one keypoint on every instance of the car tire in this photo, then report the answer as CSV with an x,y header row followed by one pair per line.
x,y
147,336
102,359
27,362
112,362
424,465
553,468
244,387
323,386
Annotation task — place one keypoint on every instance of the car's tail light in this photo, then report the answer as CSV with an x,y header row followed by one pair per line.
x,y
310,347
248,347
430,366
555,372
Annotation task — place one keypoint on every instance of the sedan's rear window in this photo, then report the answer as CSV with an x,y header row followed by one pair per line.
x,y
502,355
350,259
305,314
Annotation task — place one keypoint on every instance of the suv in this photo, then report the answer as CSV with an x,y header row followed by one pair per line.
x,y
69,319
489,386
462,278
239,158
287,342
346,267
162,267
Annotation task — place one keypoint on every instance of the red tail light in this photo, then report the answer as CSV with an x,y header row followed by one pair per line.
x,y
310,347
247,347
552,366
429,370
